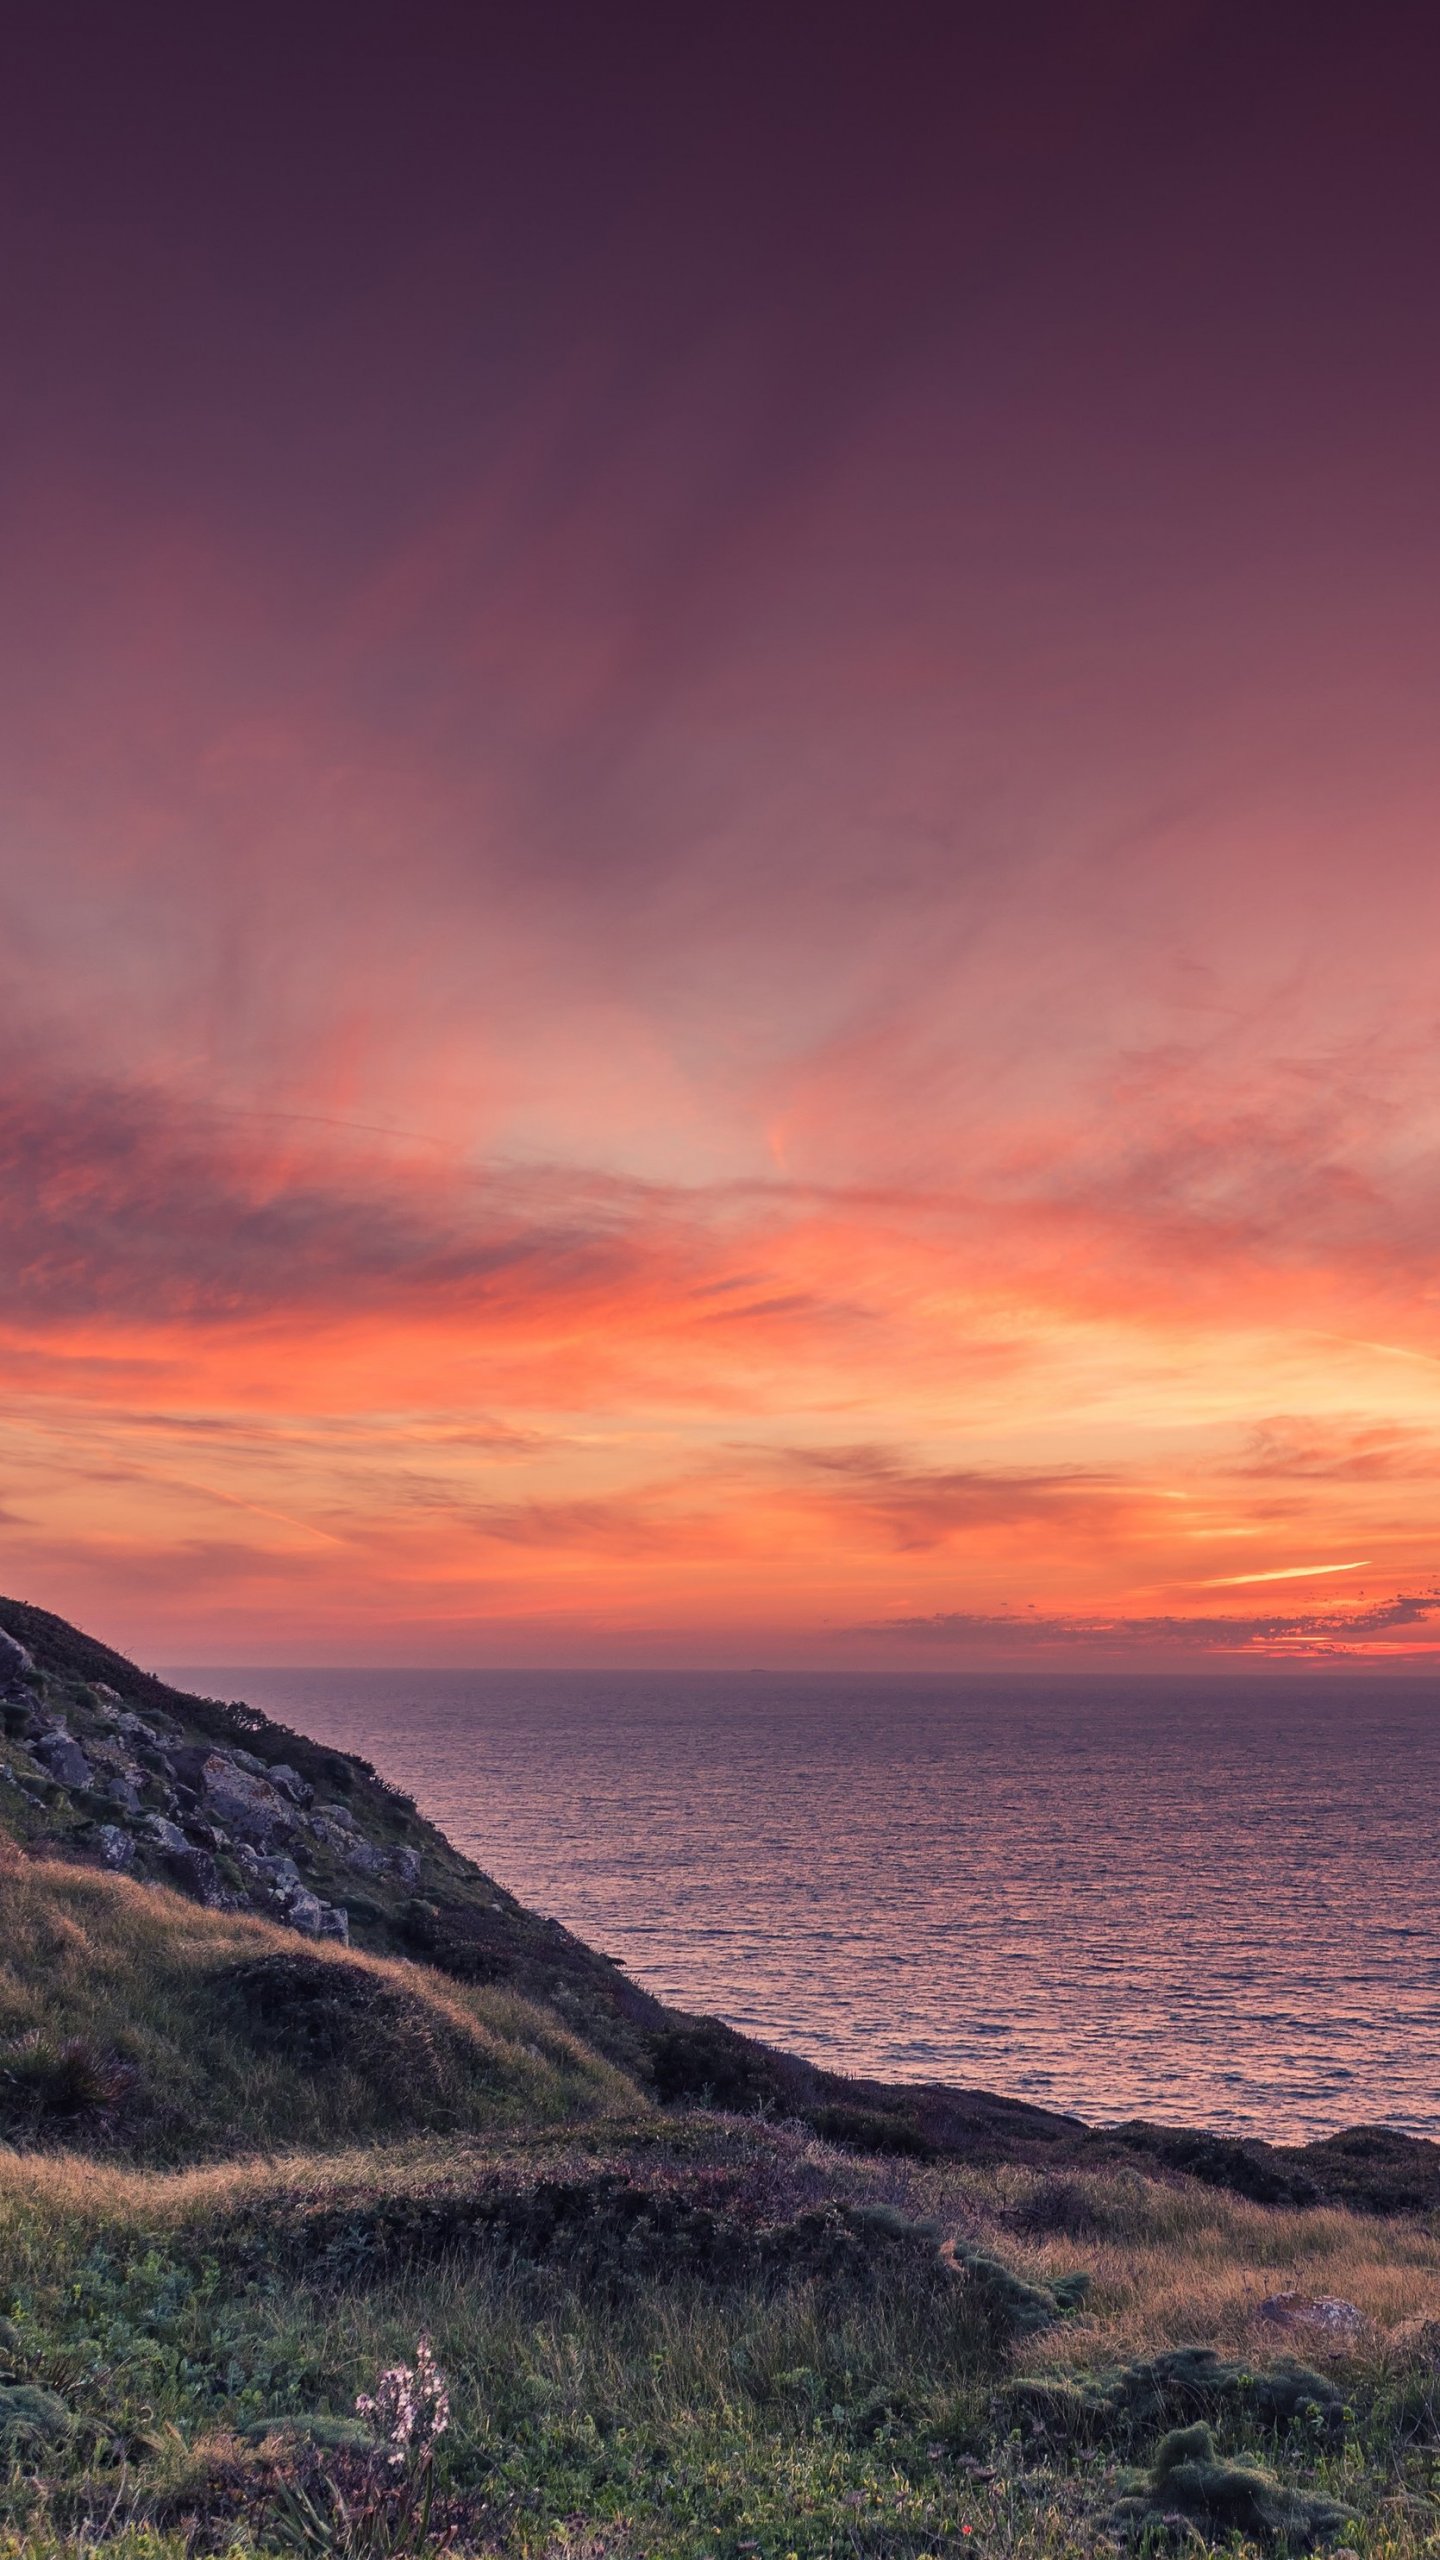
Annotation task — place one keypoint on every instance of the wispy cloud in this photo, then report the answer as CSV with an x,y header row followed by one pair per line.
x,y
921,1507
1321,1634
1338,1450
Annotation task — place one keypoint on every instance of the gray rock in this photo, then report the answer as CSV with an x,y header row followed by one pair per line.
x,y
247,1760
125,1793
107,1753
340,1813
305,1911
406,1865
289,1782
62,1759
279,1872
331,1835
364,1859
14,1659
135,1728
116,1847
163,1834
196,1873
335,1922
241,1801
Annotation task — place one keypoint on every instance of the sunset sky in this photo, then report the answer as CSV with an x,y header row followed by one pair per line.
x,y
719,777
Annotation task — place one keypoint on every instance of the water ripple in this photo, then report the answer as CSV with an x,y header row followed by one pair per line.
x,y
1213,1901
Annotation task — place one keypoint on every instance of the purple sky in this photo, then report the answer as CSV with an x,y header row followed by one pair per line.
x,y
718,797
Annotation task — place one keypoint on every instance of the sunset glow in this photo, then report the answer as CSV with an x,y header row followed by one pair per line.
x,y
721,928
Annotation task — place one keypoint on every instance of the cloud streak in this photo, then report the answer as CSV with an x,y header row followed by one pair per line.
x,y
1407,1623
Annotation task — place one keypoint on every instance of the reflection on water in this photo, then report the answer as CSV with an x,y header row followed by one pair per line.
x,y
1213,1902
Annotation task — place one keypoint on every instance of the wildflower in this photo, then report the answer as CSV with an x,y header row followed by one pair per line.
x,y
409,2406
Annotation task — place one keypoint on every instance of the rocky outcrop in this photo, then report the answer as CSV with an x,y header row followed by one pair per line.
x,y
199,1815
235,1794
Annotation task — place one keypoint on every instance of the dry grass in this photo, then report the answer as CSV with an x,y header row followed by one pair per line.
x,y
1181,2264
143,1973
1169,2265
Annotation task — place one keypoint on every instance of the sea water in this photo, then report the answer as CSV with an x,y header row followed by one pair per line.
x,y
1213,1902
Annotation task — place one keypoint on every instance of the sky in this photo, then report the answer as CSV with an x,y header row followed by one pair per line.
x,y
718,832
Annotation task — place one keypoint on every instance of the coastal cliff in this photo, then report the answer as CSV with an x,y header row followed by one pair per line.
x,y
104,1765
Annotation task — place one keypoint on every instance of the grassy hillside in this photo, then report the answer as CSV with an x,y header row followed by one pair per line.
x,y
217,1800
700,2339
144,1792
132,2022
226,1805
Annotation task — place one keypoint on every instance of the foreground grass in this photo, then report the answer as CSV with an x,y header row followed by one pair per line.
x,y
616,2408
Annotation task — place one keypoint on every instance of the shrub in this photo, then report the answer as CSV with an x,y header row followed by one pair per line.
x,y
30,2416
1193,2382
1012,2307
1189,2484
51,2086
1060,2208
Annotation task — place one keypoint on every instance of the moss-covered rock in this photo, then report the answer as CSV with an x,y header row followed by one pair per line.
x,y
1013,2306
1193,2382
1189,2485
1064,2414
1187,2384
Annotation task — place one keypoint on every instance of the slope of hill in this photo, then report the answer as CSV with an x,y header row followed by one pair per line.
x,y
131,2020
103,1765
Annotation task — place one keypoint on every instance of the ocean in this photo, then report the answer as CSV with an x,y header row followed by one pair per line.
x,y
1213,1902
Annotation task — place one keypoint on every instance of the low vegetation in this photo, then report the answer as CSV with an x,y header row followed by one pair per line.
x,y
443,2240
705,2336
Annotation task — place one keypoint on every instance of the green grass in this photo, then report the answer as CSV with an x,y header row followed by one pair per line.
x,y
247,2173
611,2403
